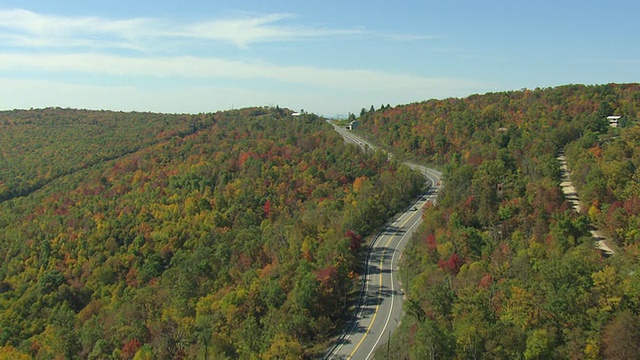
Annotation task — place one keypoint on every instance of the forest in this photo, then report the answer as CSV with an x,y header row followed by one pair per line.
x,y
502,268
241,234
236,234
39,146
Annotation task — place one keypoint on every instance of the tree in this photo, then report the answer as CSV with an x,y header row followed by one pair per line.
x,y
283,347
431,342
470,330
11,353
539,345
621,337
144,353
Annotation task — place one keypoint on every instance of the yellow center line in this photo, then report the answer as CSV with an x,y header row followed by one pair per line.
x,y
375,314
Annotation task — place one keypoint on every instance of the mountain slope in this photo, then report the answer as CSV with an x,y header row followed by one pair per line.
x,y
502,268
235,239
39,146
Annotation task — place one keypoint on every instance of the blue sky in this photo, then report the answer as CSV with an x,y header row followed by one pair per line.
x,y
329,57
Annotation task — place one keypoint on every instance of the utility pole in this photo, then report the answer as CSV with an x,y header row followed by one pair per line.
x,y
388,343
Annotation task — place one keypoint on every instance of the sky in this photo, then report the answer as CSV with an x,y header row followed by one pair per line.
x,y
327,57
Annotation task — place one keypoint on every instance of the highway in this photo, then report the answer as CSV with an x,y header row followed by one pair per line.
x,y
379,308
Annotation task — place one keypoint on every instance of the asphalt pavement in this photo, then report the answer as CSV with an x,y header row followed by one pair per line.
x,y
379,307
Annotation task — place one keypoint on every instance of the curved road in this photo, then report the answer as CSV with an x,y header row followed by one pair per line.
x,y
379,308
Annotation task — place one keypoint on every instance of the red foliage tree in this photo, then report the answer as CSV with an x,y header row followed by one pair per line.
x,y
267,208
355,240
130,348
431,241
451,265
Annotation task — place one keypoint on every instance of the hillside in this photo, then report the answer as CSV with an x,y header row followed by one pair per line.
x,y
239,234
501,267
608,179
227,235
39,146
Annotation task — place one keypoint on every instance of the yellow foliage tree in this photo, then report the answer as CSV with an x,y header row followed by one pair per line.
x,y
283,347
11,353
358,183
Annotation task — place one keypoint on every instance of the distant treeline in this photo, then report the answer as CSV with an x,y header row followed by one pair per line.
x,y
39,146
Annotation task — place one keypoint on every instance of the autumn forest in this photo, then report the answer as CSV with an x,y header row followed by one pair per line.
x,y
233,234
242,233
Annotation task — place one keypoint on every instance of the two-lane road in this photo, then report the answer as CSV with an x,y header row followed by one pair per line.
x,y
379,309
354,139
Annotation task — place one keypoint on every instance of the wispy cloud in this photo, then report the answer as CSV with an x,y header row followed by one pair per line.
x,y
247,30
30,29
27,28
44,60
198,67
409,38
